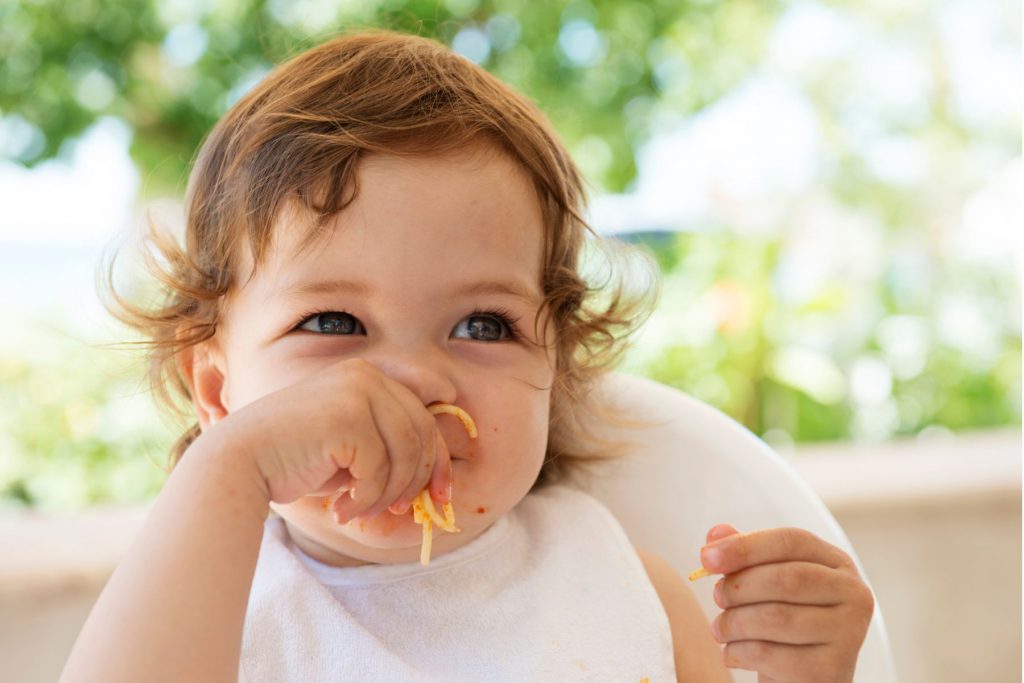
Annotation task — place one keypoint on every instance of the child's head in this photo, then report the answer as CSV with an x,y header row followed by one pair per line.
x,y
391,161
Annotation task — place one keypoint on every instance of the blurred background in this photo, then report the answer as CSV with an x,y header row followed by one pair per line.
x,y
833,191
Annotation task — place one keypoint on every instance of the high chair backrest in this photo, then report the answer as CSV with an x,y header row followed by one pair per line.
x,y
696,468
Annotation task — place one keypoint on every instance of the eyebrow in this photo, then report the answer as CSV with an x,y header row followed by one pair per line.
x,y
513,288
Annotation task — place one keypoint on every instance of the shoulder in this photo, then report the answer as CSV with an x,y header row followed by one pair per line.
x,y
697,655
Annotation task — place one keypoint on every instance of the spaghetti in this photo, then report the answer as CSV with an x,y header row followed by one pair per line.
x,y
423,510
699,574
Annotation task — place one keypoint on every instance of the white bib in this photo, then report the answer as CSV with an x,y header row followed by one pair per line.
x,y
553,591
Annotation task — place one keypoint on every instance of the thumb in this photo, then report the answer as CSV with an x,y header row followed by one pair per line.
x,y
721,531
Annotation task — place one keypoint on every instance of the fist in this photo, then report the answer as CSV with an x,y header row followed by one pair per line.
x,y
350,428
795,608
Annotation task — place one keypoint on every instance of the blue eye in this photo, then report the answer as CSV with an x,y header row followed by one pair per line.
x,y
486,326
332,322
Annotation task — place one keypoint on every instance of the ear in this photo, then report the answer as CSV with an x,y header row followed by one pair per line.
x,y
206,373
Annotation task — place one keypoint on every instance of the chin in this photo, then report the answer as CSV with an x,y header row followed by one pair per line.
x,y
385,532
388,539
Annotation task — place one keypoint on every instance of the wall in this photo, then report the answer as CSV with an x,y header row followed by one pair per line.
x,y
937,527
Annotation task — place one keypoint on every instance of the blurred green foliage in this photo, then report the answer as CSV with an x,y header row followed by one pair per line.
x,y
809,370
171,69
856,308
77,426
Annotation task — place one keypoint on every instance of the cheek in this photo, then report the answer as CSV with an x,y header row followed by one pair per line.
x,y
518,437
263,376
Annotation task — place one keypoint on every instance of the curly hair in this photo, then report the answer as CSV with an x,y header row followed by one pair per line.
x,y
298,136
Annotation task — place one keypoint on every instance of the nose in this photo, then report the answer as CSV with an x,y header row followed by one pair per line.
x,y
426,375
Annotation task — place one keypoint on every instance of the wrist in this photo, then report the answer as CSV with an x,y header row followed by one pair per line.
x,y
227,461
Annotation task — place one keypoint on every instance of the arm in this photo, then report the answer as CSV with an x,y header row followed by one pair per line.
x,y
174,608
697,656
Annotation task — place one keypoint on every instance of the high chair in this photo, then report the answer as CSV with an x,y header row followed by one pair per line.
x,y
696,468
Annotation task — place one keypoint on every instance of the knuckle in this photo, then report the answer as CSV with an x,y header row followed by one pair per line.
x,y
860,595
357,370
346,406
359,364
845,560
864,600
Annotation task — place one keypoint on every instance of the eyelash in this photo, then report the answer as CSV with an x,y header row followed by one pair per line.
x,y
498,313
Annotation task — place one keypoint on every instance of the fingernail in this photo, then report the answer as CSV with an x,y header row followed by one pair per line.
x,y
718,594
711,557
714,630
451,479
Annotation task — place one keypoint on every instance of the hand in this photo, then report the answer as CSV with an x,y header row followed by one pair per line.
x,y
347,428
796,609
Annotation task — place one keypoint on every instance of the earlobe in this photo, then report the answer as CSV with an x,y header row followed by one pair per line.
x,y
206,374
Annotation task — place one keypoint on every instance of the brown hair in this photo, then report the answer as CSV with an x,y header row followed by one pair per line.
x,y
299,135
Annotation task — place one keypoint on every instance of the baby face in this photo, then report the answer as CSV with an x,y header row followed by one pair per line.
x,y
421,276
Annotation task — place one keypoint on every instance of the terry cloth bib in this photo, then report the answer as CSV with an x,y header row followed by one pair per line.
x,y
552,591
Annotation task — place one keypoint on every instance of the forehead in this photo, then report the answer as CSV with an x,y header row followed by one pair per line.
x,y
415,221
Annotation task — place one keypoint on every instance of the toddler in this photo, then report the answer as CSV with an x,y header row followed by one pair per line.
x,y
378,228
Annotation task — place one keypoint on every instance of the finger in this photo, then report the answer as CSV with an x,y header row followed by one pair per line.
x,y
731,554
779,661
426,428
443,478
405,450
409,473
368,468
777,622
403,469
421,471
339,483
804,583
375,488
720,531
